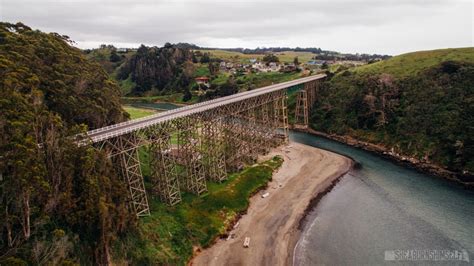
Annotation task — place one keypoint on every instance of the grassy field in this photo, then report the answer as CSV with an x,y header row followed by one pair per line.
x,y
220,79
287,56
258,80
412,63
138,112
170,98
170,233
201,70
232,56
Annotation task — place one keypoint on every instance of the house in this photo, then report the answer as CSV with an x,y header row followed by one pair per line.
x,y
274,66
288,68
202,81
257,65
222,65
316,62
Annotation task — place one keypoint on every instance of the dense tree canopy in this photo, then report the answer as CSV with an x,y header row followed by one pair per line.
x,y
68,84
161,69
55,197
268,58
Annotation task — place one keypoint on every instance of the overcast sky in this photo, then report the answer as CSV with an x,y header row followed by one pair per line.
x,y
364,26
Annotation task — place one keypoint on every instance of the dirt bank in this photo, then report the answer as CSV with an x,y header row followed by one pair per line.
x,y
467,180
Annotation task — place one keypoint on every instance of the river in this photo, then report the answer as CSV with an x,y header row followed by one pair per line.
x,y
383,209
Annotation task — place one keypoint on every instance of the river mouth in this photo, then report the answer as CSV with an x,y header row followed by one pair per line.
x,y
382,208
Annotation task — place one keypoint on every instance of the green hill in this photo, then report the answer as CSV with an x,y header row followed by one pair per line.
x,y
412,63
284,56
420,104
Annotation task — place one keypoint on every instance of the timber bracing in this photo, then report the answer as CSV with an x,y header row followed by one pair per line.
x,y
301,112
305,99
214,150
185,151
124,152
163,165
190,156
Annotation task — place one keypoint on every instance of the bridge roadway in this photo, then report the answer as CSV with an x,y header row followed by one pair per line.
x,y
115,130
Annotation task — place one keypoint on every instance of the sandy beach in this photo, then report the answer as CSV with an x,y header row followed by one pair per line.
x,y
272,222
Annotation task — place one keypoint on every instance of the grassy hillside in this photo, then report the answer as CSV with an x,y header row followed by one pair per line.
x,y
406,65
103,57
420,104
287,56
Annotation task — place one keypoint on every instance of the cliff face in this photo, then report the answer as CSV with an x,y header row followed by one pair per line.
x,y
419,105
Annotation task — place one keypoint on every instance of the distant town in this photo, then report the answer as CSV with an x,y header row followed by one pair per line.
x,y
235,65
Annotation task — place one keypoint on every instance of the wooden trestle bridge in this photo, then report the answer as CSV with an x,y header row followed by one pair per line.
x,y
190,145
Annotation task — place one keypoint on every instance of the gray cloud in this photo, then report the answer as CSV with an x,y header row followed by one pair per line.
x,y
384,26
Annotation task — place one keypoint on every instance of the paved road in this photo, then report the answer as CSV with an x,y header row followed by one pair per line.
x,y
126,127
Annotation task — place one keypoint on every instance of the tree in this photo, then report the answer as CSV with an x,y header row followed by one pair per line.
x,y
269,58
50,91
228,88
194,58
188,69
114,57
187,95
157,68
213,68
205,58
295,61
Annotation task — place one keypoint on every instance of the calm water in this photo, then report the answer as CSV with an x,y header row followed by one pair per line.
x,y
380,207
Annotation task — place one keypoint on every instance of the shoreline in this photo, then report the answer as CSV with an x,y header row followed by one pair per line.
x,y
274,223
405,161
309,210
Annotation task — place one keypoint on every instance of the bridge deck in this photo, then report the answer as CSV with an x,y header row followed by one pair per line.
x,y
115,130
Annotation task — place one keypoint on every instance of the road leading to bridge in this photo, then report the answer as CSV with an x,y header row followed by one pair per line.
x,y
115,130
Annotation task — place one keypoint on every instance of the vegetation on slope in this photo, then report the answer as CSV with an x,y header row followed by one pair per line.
x,y
420,104
413,63
108,57
170,233
156,73
166,69
60,203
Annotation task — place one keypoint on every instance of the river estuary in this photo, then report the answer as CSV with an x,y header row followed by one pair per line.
x,y
383,208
